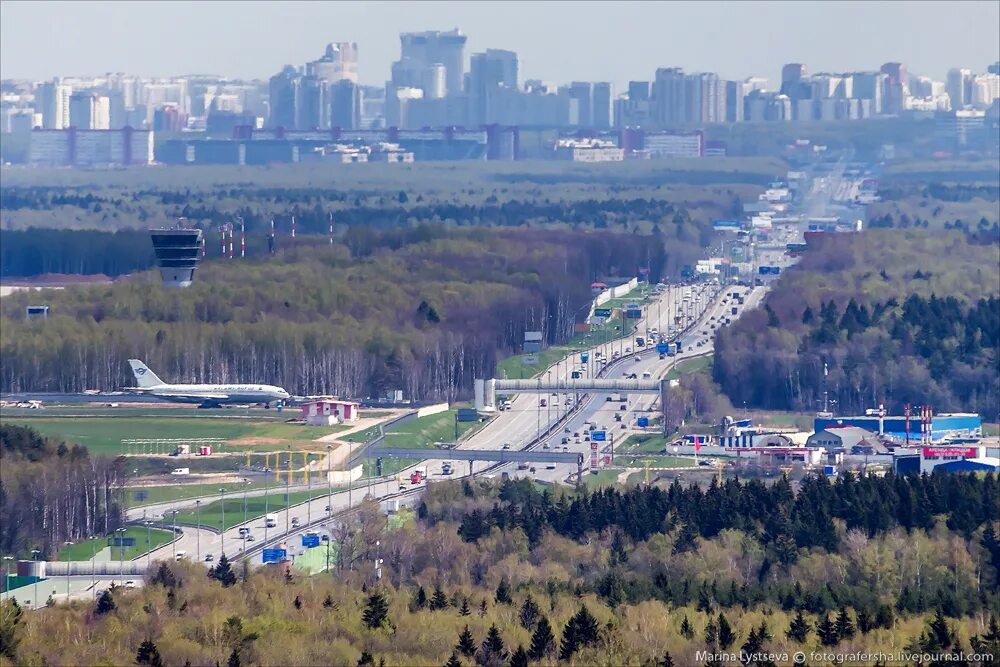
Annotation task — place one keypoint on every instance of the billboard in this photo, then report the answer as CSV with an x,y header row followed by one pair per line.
x,y
950,452
602,312
274,555
598,436
467,415
310,540
532,341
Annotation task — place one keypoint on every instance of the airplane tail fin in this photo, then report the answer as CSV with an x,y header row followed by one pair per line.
x,y
143,376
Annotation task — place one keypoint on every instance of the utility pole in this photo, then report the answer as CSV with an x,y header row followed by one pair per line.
x,y
222,495
197,509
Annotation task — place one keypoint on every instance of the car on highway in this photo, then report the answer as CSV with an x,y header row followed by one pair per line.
x,y
542,403
209,558
130,584
546,446
506,445
251,538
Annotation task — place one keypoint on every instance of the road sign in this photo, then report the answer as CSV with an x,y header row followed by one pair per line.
x,y
662,348
643,421
598,436
584,357
140,495
310,540
633,314
529,359
275,555
602,312
123,541
467,415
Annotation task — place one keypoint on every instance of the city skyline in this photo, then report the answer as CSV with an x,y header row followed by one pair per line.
x,y
871,33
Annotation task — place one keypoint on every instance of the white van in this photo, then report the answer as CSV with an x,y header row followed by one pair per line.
x,y
180,555
646,375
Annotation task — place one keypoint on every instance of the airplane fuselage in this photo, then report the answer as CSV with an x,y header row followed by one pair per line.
x,y
217,394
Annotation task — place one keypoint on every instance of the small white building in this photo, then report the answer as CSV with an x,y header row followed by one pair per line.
x,y
588,150
329,412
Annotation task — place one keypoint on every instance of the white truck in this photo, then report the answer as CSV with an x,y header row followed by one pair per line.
x,y
270,521
181,471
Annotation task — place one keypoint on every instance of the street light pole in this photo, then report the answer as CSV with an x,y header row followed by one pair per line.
x,y
197,509
309,495
288,503
34,556
266,487
329,481
173,538
222,495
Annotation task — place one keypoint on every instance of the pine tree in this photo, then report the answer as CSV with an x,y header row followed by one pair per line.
x,y
453,661
865,621
482,608
543,642
503,592
827,631
223,572
844,625
711,634
234,659
666,661
726,634
799,629
106,603
297,602
466,644
171,599
464,609
940,636
376,612
884,618
752,644
529,613
493,646
618,554
569,643
519,658
328,602
686,630
421,599
438,600
366,660
764,633
148,654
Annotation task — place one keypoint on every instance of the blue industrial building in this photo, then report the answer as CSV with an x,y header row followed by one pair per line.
x,y
957,425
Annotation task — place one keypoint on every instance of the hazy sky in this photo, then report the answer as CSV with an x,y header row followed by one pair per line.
x,y
555,41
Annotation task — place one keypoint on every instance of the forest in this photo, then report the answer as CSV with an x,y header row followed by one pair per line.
x,y
644,577
53,492
423,309
889,317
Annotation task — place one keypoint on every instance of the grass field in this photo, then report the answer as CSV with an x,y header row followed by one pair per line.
x,y
652,443
211,513
103,435
85,550
152,495
689,366
654,461
426,431
602,479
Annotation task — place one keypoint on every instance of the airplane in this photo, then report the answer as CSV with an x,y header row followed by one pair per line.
x,y
206,395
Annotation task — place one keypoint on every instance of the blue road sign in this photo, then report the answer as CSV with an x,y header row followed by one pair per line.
x,y
643,421
584,357
599,436
122,541
310,540
274,555
662,348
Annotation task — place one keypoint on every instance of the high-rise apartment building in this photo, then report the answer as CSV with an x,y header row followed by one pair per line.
x,y
52,101
286,98
872,86
669,99
423,49
338,62
582,92
792,75
959,87
488,72
89,111
346,101
603,105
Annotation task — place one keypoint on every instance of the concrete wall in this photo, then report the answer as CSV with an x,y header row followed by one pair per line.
x,y
435,409
343,476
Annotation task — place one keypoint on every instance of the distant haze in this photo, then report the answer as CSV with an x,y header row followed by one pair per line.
x,y
555,41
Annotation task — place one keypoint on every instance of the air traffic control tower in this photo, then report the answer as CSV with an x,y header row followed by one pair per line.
x,y
177,253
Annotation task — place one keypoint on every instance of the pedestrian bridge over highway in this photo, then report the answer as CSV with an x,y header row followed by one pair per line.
x,y
486,390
